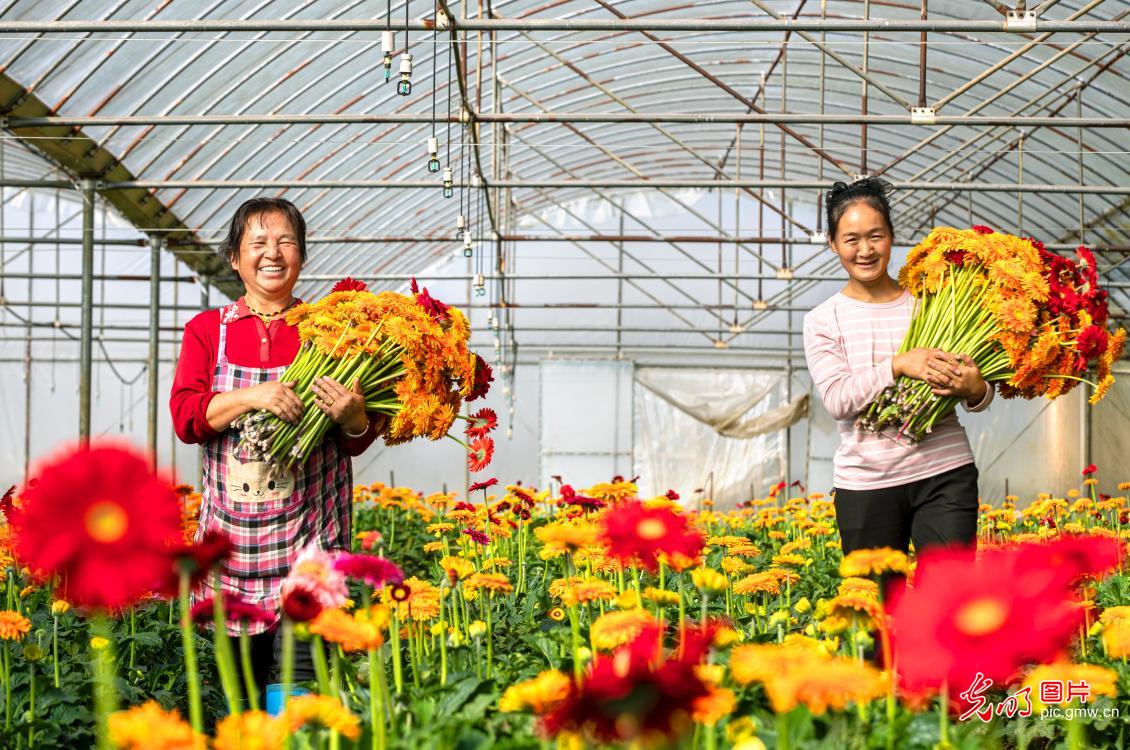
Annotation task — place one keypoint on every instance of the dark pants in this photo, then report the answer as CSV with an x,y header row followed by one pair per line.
x,y
266,660
935,511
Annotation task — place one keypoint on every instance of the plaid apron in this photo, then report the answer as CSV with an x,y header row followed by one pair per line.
x,y
267,533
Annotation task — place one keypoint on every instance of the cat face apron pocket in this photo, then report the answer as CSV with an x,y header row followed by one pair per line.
x,y
262,514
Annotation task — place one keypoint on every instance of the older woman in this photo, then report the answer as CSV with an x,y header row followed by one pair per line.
x,y
230,364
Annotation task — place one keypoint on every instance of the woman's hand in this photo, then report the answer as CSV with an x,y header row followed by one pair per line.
x,y
966,383
934,366
344,406
277,397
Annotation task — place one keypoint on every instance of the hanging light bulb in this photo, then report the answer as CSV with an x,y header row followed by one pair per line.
x,y
404,86
433,154
468,246
480,290
388,43
448,184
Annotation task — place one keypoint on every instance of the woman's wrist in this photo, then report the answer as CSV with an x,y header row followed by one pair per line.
x,y
351,431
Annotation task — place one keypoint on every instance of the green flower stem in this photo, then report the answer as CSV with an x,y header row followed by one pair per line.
x,y
55,644
31,708
225,663
442,640
188,643
575,629
490,635
248,670
321,669
397,669
7,686
287,665
105,697
944,718
376,713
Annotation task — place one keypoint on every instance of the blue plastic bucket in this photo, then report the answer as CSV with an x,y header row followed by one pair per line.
x,y
274,701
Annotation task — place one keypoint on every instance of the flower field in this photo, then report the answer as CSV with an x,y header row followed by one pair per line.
x,y
570,618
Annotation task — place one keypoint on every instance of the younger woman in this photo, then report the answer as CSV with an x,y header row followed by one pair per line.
x,y
888,492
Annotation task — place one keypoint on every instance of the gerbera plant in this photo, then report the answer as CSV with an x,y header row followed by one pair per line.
x,y
409,355
1031,320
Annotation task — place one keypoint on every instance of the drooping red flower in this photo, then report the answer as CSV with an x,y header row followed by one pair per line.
x,y
1010,610
982,229
7,504
98,518
583,501
1091,342
350,285
636,693
484,376
481,422
1091,469
477,536
235,610
482,451
634,532
373,570
195,559
1089,268
485,484
431,305
300,603
672,495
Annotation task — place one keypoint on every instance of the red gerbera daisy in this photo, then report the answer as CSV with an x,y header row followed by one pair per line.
x,y
431,305
483,378
481,422
196,560
636,693
634,532
1091,469
235,610
99,519
1091,342
482,451
483,485
373,570
477,536
300,603
1008,612
350,285
982,229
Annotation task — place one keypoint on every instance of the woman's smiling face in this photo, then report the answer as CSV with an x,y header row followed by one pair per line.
x,y
269,257
863,243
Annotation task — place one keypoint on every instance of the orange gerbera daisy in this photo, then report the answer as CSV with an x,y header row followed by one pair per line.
x,y
323,710
538,695
865,562
13,625
613,629
150,727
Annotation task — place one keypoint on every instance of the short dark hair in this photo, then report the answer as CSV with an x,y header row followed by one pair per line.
x,y
870,190
254,208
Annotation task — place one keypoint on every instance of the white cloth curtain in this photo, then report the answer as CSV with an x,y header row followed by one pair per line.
x,y
718,431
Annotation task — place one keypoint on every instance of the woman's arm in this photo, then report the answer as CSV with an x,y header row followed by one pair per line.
x,y
192,391
278,398
846,393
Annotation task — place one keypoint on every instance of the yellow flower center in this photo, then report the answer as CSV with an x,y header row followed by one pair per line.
x,y
981,616
106,521
651,528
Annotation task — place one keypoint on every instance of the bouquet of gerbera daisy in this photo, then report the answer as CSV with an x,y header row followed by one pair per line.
x,y
1031,320
410,356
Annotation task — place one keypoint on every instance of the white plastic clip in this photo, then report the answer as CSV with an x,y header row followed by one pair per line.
x,y
785,274
1020,21
441,19
818,238
923,116
760,304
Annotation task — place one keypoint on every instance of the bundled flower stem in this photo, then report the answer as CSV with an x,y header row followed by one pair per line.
x,y
409,355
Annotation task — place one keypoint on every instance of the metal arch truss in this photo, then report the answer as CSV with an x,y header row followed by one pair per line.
x,y
719,331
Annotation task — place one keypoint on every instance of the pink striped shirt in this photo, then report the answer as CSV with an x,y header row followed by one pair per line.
x,y
849,346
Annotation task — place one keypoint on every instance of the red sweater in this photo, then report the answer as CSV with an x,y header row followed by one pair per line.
x,y
249,344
